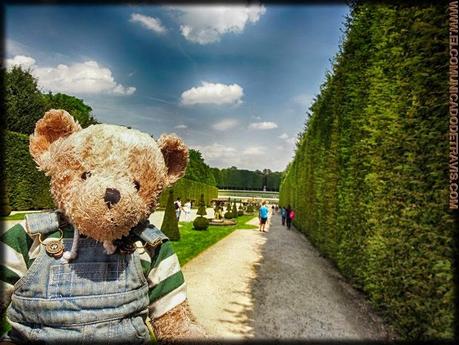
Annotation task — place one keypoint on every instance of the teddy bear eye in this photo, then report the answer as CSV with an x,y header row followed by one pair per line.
x,y
85,175
136,184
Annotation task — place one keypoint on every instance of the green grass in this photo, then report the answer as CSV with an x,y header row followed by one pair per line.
x,y
193,242
17,216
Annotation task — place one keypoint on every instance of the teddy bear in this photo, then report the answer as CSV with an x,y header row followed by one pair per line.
x,y
95,269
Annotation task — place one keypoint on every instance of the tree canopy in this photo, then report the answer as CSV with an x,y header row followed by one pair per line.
x,y
25,104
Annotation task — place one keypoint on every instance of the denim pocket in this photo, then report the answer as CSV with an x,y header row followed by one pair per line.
x,y
87,278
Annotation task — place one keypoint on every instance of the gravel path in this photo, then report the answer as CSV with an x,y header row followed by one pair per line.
x,y
275,285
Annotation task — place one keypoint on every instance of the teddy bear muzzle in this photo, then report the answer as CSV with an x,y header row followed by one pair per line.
x,y
112,196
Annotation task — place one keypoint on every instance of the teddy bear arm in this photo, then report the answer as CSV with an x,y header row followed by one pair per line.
x,y
178,323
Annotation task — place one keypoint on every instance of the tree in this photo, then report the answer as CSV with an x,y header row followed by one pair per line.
x,y
170,223
198,170
74,106
24,103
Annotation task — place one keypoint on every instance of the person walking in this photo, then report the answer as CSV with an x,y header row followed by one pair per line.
x,y
187,210
263,216
290,214
283,215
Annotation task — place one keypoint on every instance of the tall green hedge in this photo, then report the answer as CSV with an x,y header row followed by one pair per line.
x,y
188,189
26,187
369,178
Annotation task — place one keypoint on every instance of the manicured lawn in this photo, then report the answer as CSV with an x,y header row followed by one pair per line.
x,y
193,242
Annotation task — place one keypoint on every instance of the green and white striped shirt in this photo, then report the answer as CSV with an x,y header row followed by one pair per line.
x,y
160,265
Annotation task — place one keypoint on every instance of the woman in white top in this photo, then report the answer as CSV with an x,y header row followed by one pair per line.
x,y
187,210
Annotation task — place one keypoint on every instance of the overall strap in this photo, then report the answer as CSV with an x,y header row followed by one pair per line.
x,y
42,223
150,234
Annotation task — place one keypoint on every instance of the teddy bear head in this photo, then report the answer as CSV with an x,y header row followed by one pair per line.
x,y
105,178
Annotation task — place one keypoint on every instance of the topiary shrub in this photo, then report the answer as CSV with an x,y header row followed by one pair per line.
x,y
228,215
170,223
240,213
234,210
202,207
250,208
201,223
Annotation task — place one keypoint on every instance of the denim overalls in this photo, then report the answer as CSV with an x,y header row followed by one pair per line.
x,y
96,297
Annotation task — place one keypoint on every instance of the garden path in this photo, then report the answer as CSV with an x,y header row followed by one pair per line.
x,y
275,285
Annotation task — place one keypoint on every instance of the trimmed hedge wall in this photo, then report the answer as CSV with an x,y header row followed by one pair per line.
x,y
188,189
369,180
27,187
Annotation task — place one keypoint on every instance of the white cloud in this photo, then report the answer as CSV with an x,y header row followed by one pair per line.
x,y
214,151
224,156
80,78
204,24
254,151
289,140
262,125
13,47
210,93
20,60
225,124
304,100
151,23
181,126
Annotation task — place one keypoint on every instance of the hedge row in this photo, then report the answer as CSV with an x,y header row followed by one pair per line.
x,y
188,189
26,187
369,180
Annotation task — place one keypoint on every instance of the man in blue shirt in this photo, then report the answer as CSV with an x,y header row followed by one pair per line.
x,y
263,216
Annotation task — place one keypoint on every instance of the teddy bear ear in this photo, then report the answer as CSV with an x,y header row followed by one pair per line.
x,y
53,125
175,154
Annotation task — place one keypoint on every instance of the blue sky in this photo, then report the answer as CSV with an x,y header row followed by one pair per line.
x,y
234,82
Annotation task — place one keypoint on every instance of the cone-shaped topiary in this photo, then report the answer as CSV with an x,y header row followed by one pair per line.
x,y
170,223
234,210
250,208
202,207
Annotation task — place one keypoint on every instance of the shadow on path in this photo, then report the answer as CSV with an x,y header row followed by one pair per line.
x,y
275,285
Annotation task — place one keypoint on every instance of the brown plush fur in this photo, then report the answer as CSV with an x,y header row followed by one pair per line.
x,y
84,163
178,324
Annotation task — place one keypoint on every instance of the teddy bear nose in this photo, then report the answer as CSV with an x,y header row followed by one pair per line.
x,y
112,196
